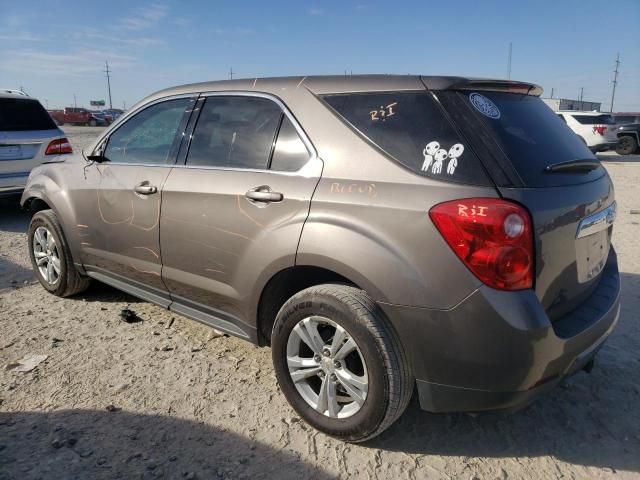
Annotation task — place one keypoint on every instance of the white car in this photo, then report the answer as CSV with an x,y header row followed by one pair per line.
x,y
596,129
28,138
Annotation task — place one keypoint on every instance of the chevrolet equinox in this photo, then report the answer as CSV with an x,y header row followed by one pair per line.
x,y
381,233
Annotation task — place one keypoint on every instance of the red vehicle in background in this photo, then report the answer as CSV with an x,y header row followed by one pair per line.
x,y
78,116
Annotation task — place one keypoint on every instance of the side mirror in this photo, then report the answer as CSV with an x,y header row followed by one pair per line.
x,y
97,158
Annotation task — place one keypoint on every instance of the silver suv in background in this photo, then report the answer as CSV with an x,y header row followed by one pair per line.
x,y
28,138
381,233
597,130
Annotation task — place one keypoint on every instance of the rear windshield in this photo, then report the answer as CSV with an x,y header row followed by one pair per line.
x,y
411,128
528,132
18,114
594,119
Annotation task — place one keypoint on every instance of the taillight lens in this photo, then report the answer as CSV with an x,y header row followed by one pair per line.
x,y
58,147
492,237
599,129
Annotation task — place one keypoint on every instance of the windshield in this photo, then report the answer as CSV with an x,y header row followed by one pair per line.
x,y
20,114
594,119
526,131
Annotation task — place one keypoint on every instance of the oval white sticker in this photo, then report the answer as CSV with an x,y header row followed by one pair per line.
x,y
484,105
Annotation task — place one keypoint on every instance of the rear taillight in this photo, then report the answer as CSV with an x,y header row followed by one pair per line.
x,y
58,147
492,237
600,129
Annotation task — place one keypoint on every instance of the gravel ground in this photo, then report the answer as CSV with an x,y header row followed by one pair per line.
x,y
166,398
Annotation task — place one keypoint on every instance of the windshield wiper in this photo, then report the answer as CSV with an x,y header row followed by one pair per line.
x,y
573,166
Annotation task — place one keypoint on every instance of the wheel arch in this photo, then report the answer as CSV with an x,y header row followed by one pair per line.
x,y
286,283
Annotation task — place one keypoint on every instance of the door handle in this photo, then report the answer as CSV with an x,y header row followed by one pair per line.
x,y
264,194
145,189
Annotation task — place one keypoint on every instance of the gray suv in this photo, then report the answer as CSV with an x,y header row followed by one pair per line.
x,y
380,233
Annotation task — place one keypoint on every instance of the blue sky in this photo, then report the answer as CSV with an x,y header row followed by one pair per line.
x,y
57,49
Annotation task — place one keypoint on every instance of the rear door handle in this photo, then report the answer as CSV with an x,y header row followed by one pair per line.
x,y
145,189
264,194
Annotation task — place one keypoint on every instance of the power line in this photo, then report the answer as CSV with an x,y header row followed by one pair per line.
x,y
108,72
615,81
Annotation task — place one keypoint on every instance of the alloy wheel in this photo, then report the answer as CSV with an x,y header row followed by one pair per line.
x,y
47,257
327,367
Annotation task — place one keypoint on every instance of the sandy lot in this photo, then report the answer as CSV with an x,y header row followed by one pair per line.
x,y
189,405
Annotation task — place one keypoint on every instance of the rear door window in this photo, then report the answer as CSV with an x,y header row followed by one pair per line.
x,y
527,132
234,132
410,127
23,114
290,152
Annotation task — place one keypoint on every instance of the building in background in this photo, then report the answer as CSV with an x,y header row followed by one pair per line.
x,y
556,104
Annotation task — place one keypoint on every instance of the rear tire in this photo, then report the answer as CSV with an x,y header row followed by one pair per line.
x,y
626,145
48,243
376,365
92,123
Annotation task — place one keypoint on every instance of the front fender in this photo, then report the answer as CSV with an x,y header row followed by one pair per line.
x,y
47,183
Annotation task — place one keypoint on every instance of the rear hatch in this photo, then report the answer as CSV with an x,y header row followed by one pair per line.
x,y
537,161
25,131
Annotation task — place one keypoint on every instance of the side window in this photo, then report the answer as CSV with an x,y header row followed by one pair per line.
x,y
147,137
290,152
411,128
235,132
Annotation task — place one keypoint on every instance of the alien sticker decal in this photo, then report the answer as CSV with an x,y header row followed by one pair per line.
x,y
434,157
428,152
454,153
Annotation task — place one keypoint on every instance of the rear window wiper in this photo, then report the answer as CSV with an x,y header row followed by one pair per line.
x,y
573,166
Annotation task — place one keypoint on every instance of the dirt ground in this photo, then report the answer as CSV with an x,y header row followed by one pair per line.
x,y
164,398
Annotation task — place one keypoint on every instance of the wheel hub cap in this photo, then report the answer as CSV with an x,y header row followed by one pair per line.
x,y
327,367
45,253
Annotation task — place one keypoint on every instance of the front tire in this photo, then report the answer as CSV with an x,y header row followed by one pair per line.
x,y
51,258
626,145
339,363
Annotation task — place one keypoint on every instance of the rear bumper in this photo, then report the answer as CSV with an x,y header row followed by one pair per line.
x,y
499,350
12,183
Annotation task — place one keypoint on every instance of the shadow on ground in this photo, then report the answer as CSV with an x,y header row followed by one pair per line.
x,y
94,444
12,274
591,419
12,217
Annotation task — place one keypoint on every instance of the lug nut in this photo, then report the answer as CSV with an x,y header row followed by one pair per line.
x,y
337,364
326,352
333,377
321,374
317,358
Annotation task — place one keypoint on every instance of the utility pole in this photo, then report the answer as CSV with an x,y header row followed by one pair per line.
x,y
551,92
75,104
615,81
231,73
509,61
108,72
581,92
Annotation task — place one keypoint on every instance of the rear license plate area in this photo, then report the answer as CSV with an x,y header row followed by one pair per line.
x,y
10,152
591,254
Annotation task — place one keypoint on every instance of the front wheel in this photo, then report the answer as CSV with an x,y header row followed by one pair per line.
x,y
50,256
339,363
626,145
92,123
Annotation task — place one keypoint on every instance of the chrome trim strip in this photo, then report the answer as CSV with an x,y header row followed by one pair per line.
x,y
597,222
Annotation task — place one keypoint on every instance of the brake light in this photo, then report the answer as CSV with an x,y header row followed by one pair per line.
x,y
58,147
600,129
492,237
